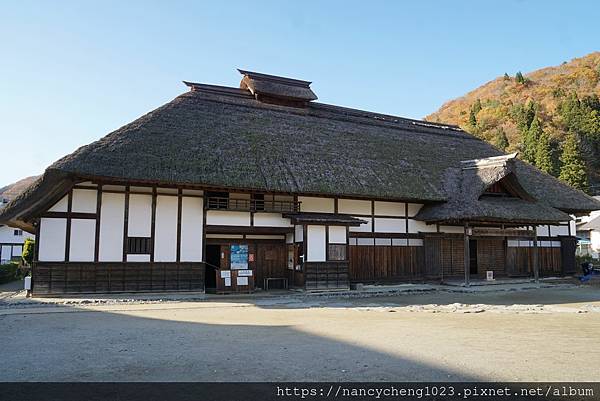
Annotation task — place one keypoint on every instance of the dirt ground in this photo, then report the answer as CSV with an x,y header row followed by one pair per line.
x,y
535,335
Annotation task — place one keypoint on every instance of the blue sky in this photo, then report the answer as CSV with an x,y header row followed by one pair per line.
x,y
70,72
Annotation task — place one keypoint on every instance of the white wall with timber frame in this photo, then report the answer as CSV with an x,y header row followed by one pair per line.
x,y
93,223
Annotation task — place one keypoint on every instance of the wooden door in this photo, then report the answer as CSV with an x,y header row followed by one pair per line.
x,y
271,262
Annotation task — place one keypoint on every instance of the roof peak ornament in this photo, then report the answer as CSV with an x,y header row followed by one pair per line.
x,y
277,90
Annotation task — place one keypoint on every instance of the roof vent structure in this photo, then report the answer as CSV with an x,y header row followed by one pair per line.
x,y
277,90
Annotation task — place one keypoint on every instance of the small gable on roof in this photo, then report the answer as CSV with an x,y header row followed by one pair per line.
x,y
278,90
493,176
488,189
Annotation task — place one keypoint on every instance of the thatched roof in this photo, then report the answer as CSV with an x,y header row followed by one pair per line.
x,y
225,138
466,186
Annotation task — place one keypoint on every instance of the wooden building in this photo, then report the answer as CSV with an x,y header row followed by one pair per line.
x,y
260,185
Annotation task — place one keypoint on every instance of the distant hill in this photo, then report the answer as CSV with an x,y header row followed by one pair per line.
x,y
564,99
9,192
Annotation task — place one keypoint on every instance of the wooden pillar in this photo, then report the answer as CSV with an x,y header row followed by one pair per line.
x,y
536,267
467,256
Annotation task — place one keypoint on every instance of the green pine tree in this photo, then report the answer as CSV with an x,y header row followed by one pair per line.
x,y
477,106
543,154
572,169
500,139
472,119
530,140
520,78
506,77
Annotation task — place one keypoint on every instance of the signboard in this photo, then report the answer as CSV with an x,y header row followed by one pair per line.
x,y
225,273
245,273
242,281
489,275
239,257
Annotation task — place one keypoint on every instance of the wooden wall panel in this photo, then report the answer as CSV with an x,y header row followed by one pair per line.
x,y
490,256
385,263
326,275
89,277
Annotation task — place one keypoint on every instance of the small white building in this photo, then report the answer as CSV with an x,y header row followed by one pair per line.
x,y
11,243
12,239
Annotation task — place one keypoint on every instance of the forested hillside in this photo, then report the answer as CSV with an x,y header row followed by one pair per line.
x,y
550,116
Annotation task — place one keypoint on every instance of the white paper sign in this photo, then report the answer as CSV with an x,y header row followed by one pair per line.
x,y
247,273
225,273
242,281
227,281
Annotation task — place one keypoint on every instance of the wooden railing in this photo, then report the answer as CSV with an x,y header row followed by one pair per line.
x,y
251,205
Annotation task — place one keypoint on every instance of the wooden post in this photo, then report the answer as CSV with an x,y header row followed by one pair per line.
x,y
536,267
467,256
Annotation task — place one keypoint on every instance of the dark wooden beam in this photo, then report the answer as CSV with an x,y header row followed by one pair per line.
x,y
467,256
214,229
125,224
72,215
97,235
536,266
68,231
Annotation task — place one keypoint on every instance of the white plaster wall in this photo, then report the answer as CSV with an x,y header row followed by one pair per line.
x,y
192,192
415,242
7,235
165,233
60,206
299,233
559,230
316,243
363,228
413,209
388,225
337,234
573,227
83,240
542,231
320,205
227,218
353,206
289,238
52,240
416,226
112,215
399,242
365,241
452,229
191,229
138,258
389,209
383,241
84,200
140,215
595,240
270,220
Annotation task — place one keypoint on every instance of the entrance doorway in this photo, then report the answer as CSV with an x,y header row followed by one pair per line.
x,y
473,257
213,261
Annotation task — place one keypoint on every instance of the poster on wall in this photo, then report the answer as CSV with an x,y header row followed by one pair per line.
x,y
239,257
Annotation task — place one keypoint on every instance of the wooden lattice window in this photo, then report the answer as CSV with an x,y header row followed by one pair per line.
x,y
337,252
139,245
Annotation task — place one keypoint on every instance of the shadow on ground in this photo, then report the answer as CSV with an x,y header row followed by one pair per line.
x,y
109,346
